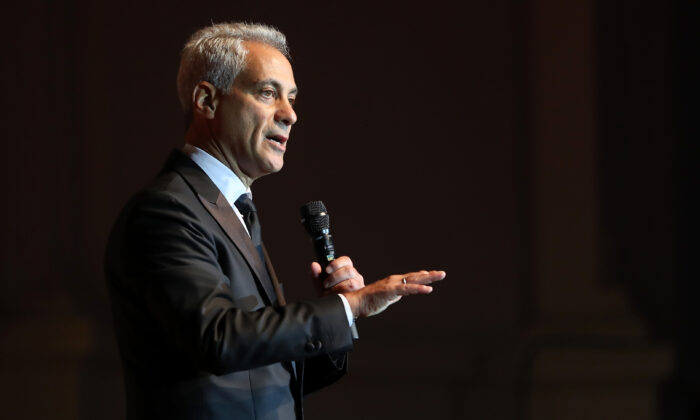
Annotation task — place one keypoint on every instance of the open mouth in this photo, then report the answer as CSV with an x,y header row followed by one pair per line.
x,y
278,142
277,139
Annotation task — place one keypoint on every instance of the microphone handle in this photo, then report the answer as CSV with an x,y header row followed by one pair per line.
x,y
325,251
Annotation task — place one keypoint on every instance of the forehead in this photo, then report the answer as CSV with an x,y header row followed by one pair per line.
x,y
264,62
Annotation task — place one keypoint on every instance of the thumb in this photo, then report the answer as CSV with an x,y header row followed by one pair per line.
x,y
315,270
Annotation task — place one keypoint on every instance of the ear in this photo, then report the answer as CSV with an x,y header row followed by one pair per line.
x,y
205,100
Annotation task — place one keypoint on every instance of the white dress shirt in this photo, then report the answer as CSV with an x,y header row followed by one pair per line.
x,y
232,187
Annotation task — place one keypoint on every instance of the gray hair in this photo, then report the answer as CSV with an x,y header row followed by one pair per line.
x,y
216,54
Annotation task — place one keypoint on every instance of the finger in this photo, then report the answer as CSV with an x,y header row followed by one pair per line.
x,y
413,289
315,270
348,286
424,277
338,263
340,275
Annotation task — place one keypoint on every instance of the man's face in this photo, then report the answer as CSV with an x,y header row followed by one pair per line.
x,y
254,119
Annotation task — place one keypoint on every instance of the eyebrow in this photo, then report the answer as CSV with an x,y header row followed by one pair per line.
x,y
276,84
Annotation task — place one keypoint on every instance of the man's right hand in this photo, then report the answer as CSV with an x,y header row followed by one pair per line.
x,y
376,297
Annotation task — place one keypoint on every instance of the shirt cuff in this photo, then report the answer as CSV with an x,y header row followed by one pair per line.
x,y
348,311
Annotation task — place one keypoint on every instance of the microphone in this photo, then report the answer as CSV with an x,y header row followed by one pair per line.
x,y
316,221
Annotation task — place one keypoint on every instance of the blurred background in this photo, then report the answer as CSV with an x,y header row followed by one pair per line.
x,y
539,151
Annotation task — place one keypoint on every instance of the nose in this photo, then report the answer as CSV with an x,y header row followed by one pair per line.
x,y
285,113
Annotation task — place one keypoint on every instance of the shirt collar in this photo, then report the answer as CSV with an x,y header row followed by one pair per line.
x,y
221,175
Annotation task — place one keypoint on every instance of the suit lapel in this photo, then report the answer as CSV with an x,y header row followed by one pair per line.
x,y
225,216
273,276
221,211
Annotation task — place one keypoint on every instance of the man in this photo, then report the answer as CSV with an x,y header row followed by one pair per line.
x,y
203,328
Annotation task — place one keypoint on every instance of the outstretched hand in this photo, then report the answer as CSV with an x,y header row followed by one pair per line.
x,y
376,297
341,277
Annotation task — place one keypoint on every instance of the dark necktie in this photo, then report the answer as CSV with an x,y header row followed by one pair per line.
x,y
245,205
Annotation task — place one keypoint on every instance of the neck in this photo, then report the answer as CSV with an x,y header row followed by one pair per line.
x,y
203,140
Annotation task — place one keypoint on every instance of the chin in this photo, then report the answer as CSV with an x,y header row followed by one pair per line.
x,y
272,168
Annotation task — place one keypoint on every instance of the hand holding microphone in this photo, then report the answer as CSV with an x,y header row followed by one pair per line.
x,y
364,300
336,275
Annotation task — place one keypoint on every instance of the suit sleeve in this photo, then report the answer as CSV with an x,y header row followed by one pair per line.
x,y
165,262
324,370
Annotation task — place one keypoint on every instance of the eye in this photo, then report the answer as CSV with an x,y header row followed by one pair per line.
x,y
267,93
292,101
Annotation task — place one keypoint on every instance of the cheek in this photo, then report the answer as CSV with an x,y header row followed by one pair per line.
x,y
262,119
245,131
250,121
261,127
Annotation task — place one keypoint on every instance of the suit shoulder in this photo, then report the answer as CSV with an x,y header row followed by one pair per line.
x,y
168,196
166,187
156,209
168,183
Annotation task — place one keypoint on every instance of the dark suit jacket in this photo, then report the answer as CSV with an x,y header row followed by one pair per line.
x,y
201,323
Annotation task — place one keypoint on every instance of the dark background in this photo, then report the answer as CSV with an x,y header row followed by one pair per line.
x,y
539,151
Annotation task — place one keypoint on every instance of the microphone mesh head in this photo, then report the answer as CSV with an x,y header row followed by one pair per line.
x,y
312,208
315,217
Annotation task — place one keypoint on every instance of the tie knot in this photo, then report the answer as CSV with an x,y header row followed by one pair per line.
x,y
245,205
